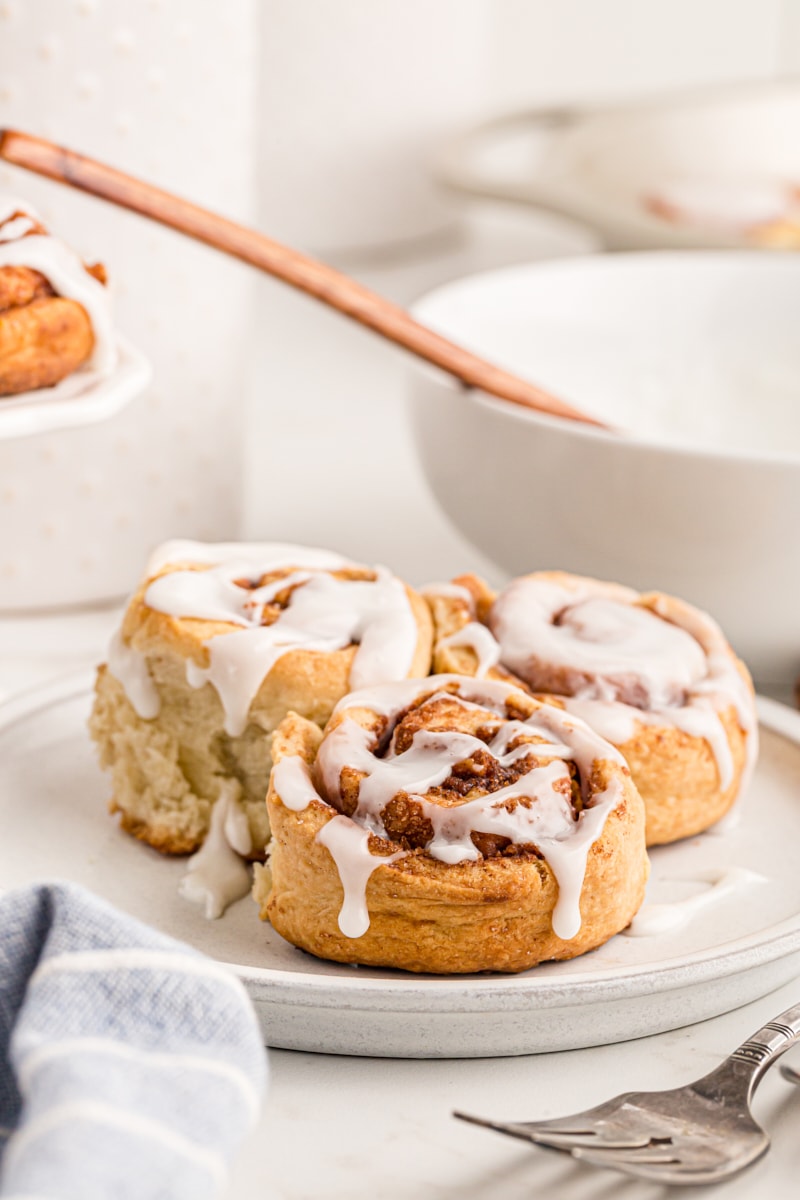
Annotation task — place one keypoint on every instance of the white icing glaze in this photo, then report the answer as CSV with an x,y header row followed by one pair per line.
x,y
255,556
16,227
348,846
453,591
216,876
66,274
291,779
723,684
618,724
599,640
385,698
236,826
323,614
130,668
478,638
655,919
12,205
532,811
622,663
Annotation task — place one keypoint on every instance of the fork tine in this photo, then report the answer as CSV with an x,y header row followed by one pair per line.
x,y
790,1073
664,1171
519,1131
529,1131
581,1139
611,1157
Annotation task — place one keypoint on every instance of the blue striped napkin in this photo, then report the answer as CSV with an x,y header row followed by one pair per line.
x,y
130,1065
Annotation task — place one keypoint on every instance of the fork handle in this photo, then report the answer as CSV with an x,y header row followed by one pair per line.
x,y
736,1079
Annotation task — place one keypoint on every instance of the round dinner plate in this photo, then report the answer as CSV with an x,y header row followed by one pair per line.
x,y
738,946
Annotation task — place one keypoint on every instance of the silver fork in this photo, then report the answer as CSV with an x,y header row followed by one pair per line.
x,y
699,1133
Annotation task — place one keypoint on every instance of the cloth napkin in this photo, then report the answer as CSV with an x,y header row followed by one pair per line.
x,y
130,1065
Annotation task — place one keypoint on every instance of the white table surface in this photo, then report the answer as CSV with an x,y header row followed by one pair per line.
x,y
340,471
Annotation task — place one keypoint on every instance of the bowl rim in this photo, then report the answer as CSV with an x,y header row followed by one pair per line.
x,y
626,260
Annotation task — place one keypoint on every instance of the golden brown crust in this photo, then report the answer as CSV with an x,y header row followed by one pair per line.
x,y
41,342
678,778
44,337
676,773
160,837
20,285
166,772
493,914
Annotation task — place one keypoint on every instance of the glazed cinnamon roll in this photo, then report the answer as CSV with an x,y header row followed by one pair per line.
x,y
216,647
450,825
653,675
54,311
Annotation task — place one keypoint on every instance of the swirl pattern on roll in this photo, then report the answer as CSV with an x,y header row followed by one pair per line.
x,y
55,313
263,602
217,645
619,660
448,774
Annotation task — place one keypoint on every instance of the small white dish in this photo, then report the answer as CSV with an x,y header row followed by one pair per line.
x,y
83,398
55,825
729,151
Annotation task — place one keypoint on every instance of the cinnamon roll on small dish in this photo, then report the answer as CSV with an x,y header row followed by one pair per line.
x,y
54,311
450,825
218,644
652,674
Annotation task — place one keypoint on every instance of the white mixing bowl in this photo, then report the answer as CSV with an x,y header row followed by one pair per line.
x,y
695,357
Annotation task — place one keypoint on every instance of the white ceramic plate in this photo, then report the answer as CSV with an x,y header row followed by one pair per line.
x,y
52,814
599,165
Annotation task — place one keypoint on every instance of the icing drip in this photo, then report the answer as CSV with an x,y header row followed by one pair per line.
x,y
535,810
620,662
478,638
292,781
617,723
723,684
130,668
216,875
655,919
64,271
348,846
323,613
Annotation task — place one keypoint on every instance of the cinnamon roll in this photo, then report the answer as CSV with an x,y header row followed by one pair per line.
x,y
54,311
450,825
216,647
653,675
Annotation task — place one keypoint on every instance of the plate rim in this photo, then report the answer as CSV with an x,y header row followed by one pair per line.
x,y
475,993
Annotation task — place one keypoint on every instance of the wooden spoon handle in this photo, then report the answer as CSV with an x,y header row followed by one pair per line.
x,y
316,278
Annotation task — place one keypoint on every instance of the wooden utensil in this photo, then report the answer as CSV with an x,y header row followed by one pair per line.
x,y
315,278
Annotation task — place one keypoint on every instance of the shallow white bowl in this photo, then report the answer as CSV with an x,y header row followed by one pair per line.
x,y
696,356
732,150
